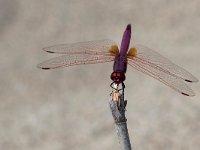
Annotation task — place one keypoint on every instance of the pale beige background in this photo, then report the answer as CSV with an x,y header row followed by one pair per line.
x,y
67,109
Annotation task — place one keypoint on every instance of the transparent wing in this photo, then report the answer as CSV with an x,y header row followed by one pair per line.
x,y
172,81
99,47
74,59
155,60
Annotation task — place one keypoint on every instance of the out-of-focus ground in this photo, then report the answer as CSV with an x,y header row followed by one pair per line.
x,y
68,108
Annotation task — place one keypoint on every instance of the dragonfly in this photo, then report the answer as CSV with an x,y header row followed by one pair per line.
x,y
138,57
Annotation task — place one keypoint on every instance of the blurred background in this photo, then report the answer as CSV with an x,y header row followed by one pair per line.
x,y
68,108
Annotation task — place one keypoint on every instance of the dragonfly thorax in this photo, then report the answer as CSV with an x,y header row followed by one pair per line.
x,y
120,64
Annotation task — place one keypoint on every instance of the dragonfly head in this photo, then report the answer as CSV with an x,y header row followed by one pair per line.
x,y
118,77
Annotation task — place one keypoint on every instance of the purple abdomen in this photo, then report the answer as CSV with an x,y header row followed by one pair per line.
x,y
120,63
125,41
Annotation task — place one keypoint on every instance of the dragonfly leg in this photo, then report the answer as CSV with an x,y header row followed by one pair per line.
x,y
123,87
125,103
114,86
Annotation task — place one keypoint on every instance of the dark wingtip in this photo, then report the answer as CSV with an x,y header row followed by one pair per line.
x,y
46,68
50,52
188,80
128,27
40,67
46,50
185,94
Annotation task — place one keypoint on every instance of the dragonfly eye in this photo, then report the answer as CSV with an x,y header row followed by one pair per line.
x,y
117,77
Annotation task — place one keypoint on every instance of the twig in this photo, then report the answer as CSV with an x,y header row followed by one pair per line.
x,y
117,107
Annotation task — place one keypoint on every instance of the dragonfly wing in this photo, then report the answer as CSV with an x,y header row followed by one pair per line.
x,y
172,81
74,59
99,47
154,59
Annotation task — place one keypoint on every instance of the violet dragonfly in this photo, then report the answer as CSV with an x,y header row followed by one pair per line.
x,y
139,57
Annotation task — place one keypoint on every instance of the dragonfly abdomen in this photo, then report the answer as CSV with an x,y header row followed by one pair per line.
x,y
125,40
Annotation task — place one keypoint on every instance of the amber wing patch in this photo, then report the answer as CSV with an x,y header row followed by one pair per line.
x,y
114,50
132,52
